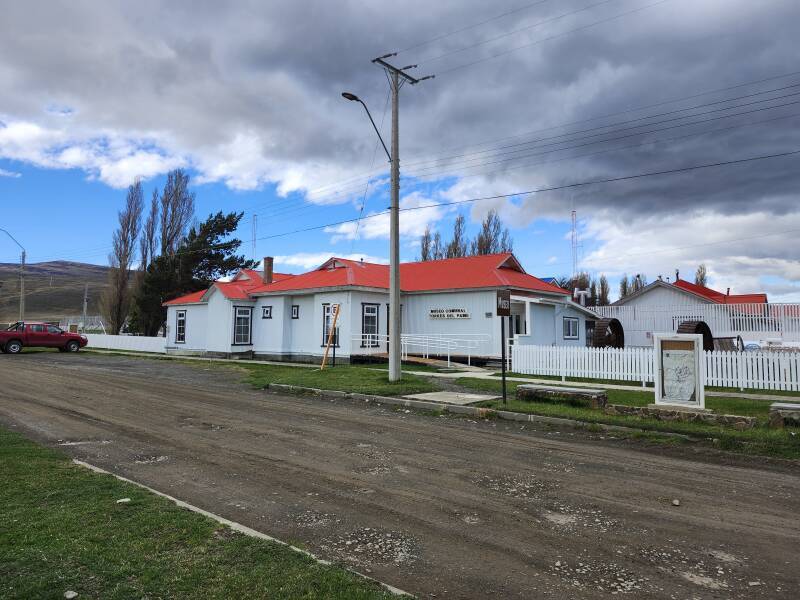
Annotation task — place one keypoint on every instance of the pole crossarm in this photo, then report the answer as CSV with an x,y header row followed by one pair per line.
x,y
401,72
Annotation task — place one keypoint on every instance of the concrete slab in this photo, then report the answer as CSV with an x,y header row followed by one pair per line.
x,y
452,397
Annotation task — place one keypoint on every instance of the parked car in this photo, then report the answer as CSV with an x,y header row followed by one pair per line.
x,y
39,335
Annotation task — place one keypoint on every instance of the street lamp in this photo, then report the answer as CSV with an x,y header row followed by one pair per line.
x,y
354,98
21,276
395,370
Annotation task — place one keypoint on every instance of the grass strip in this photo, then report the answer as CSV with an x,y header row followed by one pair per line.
x,y
761,440
61,529
344,378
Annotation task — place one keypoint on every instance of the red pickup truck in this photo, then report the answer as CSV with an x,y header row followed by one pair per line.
x,y
39,335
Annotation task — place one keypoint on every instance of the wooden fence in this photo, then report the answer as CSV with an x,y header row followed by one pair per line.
x,y
756,370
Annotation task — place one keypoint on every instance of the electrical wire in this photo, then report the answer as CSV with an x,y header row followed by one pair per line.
x,y
549,38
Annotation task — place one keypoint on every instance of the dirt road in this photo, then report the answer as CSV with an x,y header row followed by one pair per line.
x,y
440,506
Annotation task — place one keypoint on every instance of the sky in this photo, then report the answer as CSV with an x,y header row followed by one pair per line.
x,y
535,102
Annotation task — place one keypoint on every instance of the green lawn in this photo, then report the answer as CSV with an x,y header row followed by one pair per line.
x,y
760,440
61,529
364,380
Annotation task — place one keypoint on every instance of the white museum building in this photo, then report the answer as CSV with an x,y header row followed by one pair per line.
x,y
447,308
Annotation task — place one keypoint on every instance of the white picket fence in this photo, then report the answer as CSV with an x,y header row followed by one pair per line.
x,y
138,343
756,370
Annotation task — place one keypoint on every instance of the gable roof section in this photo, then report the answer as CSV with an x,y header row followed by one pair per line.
x,y
698,291
488,271
238,288
719,297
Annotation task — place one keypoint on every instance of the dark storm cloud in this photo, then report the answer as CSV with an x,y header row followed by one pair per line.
x,y
248,92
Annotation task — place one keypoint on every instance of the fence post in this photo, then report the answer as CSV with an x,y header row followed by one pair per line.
x,y
562,363
740,369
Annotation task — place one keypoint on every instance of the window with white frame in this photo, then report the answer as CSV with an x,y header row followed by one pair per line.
x,y
180,327
266,312
369,325
328,311
241,325
295,311
570,328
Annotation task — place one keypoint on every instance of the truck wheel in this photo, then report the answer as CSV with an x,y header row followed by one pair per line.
x,y
73,346
13,347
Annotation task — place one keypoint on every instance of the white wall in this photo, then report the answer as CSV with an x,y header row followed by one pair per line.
x,y
664,296
126,342
546,326
417,320
196,327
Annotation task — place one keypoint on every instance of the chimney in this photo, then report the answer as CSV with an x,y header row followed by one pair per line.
x,y
268,269
728,293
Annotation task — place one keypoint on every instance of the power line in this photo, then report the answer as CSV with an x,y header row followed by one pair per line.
x,y
610,180
473,26
610,150
516,31
546,189
552,37
419,173
359,179
629,121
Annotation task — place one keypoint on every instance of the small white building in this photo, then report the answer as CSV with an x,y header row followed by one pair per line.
x,y
448,307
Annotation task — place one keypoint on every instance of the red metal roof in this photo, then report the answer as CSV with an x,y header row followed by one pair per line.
x,y
236,289
488,271
719,297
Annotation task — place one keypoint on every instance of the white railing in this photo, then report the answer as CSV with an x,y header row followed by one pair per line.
x,y
755,370
754,322
136,343
424,345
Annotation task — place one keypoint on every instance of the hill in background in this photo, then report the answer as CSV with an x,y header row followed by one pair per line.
x,y
52,289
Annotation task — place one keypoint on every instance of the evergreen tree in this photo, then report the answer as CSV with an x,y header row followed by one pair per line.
x,y
203,256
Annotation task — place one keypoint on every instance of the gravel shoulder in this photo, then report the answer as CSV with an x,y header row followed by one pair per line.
x,y
441,506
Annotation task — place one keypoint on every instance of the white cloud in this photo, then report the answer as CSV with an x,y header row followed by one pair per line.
x,y
311,260
748,253
552,260
4,173
420,214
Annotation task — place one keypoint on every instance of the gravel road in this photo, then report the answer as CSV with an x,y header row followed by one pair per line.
x,y
443,507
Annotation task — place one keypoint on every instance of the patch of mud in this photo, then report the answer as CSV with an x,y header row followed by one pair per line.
x,y
704,581
142,459
710,569
526,487
375,470
202,425
373,546
311,518
575,518
600,576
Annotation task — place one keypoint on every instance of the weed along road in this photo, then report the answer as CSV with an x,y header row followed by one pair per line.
x,y
442,507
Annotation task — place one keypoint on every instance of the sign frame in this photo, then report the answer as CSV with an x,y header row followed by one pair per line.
x,y
503,303
679,341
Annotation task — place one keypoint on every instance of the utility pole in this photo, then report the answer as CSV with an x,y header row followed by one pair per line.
x,y
397,77
85,305
21,276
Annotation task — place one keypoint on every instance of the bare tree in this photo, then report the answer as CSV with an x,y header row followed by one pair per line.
x,y
177,211
493,238
624,288
437,249
700,276
117,297
149,239
457,247
425,244
604,292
